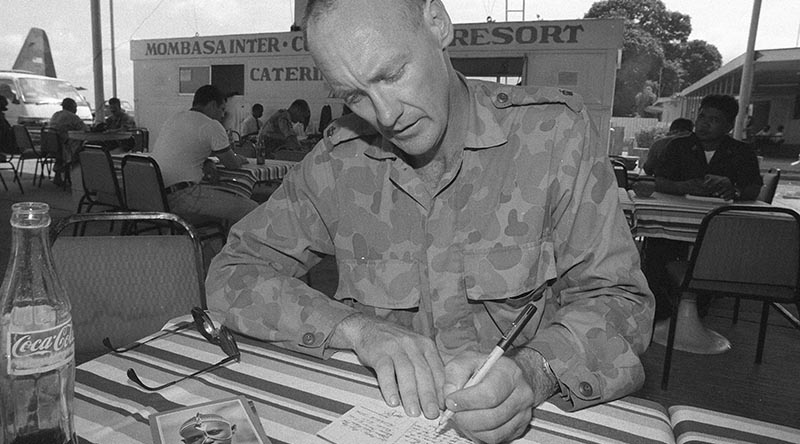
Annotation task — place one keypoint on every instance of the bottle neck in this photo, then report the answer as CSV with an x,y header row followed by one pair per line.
x,y
30,277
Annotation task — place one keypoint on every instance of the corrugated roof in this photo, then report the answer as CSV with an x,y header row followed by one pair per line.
x,y
763,57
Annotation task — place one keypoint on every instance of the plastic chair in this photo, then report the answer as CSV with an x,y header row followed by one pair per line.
x,y
25,150
100,184
771,179
750,252
126,287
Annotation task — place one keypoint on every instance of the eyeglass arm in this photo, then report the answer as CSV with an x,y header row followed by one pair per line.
x,y
135,378
178,327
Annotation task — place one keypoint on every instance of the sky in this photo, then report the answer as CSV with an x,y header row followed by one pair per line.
x,y
722,23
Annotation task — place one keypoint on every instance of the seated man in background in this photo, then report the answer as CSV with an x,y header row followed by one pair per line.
x,y
710,162
679,127
252,125
706,163
278,132
185,142
65,121
117,118
446,202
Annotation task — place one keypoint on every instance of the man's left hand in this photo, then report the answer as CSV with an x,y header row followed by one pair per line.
x,y
720,186
497,409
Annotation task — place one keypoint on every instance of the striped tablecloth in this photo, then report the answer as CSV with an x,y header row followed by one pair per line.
x,y
669,216
296,395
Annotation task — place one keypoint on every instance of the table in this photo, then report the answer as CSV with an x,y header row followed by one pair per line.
x,y
678,218
296,395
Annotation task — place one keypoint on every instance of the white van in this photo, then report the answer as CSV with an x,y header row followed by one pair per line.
x,y
33,99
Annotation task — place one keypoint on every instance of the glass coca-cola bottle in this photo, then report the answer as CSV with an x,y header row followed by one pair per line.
x,y
37,350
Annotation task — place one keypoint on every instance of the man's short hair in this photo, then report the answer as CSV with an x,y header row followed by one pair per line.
x,y
68,103
300,108
257,107
318,8
726,104
114,101
681,124
206,94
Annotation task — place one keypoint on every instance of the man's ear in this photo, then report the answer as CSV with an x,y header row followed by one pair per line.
x,y
438,20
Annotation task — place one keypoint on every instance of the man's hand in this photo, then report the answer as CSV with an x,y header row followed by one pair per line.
x,y
408,365
720,186
500,407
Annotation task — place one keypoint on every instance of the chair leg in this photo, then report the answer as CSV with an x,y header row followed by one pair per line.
x,y
4,182
762,332
673,323
736,310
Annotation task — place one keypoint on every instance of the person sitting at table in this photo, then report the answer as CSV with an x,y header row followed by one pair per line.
x,y
118,120
679,127
252,124
446,202
185,142
706,163
710,162
278,132
64,121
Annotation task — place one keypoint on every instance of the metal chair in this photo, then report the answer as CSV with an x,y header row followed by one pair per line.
x,y
6,160
26,150
620,172
100,184
144,190
141,140
125,287
52,150
771,179
750,252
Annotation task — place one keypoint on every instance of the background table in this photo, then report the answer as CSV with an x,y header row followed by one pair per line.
x,y
90,137
296,395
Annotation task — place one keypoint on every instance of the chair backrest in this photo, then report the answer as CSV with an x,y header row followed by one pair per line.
x,y
24,141
747,250
51,142
141,139
99,177
143,184
125,287
620,172
325,118
771,179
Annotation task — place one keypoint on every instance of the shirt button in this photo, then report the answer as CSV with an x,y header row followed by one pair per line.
x,y
502,97
308,338
585,388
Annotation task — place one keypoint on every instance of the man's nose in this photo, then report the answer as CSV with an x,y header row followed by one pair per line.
x,y
387,108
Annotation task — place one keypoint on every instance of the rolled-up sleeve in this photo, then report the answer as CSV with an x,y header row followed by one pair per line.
x,y
602,311
254,281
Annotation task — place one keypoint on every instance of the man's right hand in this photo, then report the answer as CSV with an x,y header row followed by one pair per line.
x,y
408,366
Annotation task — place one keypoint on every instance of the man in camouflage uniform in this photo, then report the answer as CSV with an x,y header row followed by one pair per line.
x,y
444,202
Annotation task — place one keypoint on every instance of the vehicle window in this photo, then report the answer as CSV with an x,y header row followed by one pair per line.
x,y
48,91
8,90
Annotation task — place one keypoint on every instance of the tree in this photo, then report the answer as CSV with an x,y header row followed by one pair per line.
x,y
656,50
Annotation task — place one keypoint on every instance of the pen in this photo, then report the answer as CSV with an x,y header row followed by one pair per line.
x,y
502,346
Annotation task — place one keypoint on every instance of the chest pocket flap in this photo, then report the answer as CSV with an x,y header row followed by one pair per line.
x,y
505,272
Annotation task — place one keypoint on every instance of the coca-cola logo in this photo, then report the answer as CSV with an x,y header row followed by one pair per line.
x,y
43,342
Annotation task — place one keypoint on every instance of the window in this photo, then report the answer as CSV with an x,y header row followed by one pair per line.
x,y
229,79
193,77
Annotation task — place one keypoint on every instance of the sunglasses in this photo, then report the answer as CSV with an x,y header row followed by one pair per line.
x,y
220,336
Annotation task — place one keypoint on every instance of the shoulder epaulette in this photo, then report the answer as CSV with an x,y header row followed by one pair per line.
x,y
346,128
506,95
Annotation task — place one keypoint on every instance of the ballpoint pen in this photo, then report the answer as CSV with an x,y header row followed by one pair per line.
x,y
502,346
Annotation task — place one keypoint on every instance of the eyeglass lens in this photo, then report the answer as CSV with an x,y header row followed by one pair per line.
x,y
221,336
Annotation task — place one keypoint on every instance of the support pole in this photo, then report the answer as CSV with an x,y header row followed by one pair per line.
x,y
97,61
113,50
746,86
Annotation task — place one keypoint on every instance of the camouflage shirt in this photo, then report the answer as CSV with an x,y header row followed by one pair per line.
x,y
533,199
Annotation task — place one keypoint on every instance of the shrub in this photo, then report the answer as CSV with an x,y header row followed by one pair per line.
x,y
645,137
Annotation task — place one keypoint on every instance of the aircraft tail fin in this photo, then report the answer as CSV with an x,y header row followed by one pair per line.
x,y
35,56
